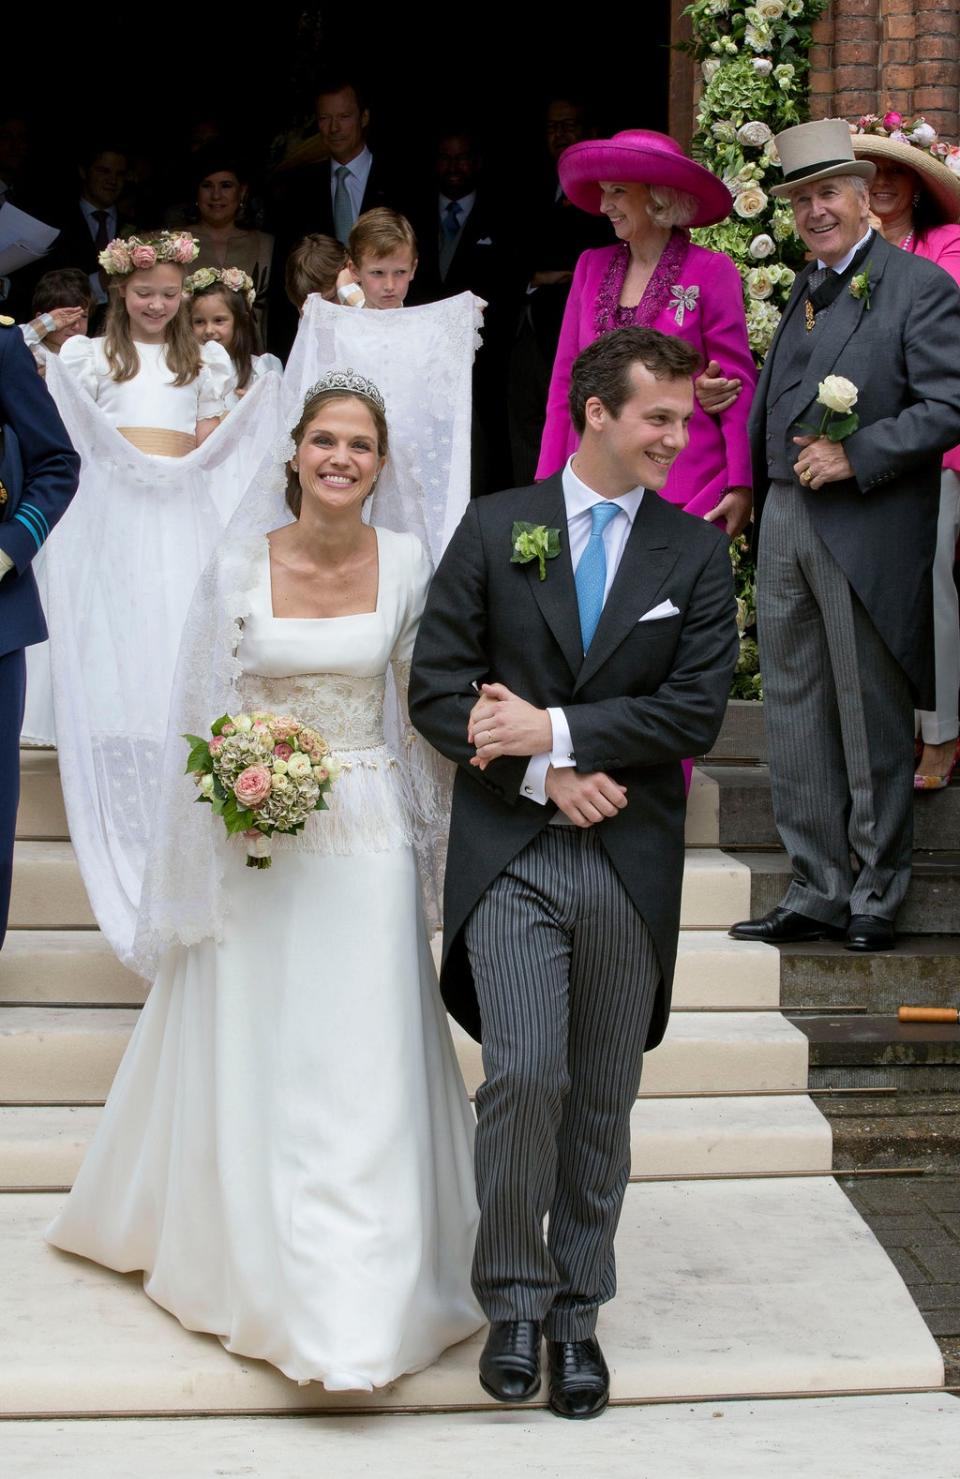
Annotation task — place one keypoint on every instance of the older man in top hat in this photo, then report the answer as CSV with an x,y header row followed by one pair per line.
x,y
847,530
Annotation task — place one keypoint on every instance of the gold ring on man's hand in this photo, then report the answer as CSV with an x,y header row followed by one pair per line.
x,y
806,476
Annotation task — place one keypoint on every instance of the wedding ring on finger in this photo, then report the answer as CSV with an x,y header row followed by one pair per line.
x,y
806,476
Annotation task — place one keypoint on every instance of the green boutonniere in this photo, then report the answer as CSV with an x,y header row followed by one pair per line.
x,y
534,542
860,287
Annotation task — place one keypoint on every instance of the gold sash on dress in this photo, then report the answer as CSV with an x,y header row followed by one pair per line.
x,y
157,441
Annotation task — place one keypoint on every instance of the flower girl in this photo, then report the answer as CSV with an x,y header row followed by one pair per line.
x,y
140,405
220,304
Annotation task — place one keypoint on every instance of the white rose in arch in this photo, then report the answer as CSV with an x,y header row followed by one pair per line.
x,y
771,10
762,246
763,65
759,283
754,133
750,202
710,68
838,394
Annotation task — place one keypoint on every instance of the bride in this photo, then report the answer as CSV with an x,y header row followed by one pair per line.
x,y
287,1148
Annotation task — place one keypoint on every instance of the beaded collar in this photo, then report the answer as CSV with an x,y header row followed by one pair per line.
x,y
669,270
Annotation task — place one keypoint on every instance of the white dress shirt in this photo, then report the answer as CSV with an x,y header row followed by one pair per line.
x,y
579,501
358,173
842,265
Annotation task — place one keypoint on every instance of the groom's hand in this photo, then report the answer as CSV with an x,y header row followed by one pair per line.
x,y
585,799
502,724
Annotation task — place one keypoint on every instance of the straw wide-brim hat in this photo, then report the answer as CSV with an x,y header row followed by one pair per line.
x,y
641,156
818,151
936,179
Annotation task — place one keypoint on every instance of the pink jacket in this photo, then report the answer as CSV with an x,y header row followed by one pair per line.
x,y
941,244
718,455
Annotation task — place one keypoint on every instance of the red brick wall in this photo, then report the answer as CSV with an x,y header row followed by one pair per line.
x,y
871,55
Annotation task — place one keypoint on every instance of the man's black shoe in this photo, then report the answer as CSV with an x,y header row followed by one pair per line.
x,y
869,932
579,1379
510,1362
781,926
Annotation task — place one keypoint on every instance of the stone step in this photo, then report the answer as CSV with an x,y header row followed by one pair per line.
x,y
895,1130
69,1055
731,806
924,970
41,813
861,1051
932,905
41,1147
725,1287
53,967
48,892
742,735
818,1438
65,966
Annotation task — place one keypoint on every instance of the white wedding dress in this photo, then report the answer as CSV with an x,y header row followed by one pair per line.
x,y
287,1147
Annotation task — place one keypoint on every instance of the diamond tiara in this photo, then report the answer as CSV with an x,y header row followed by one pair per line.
x,y
348,380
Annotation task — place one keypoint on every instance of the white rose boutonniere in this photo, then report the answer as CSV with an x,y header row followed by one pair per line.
x,y
534,542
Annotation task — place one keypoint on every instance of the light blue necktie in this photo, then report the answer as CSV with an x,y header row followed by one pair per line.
x,y
591,576
342,205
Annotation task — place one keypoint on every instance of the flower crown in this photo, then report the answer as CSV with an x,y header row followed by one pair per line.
x,y
914,131
348,380
138,253
234,279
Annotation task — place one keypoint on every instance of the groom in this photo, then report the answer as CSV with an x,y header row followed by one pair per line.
x,y
568,686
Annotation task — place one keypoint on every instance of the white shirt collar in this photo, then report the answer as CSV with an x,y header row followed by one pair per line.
x,y
359,166
844,263
579,499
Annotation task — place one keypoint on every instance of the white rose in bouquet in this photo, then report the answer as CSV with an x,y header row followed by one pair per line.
x,y
762,246
754,133
763,65
298,766
750,202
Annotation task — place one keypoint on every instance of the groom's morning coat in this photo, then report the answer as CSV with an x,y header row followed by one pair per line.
x,y
647,694
901,347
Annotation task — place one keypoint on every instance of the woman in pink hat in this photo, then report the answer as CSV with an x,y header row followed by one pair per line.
x,y
915,196
653,275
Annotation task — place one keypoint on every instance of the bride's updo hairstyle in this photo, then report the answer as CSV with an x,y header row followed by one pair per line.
x,y
339,385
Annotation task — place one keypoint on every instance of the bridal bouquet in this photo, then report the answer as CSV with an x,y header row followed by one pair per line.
x,y
262,773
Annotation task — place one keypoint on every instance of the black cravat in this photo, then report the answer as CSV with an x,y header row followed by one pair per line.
x,y
822,291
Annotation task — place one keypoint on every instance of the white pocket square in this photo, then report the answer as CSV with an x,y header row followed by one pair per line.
x,y
657,613
485,241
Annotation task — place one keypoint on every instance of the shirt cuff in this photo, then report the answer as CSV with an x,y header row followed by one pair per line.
x,y
7,564
561,755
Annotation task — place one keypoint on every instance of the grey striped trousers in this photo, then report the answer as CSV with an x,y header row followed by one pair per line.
x,y
839,721
566,975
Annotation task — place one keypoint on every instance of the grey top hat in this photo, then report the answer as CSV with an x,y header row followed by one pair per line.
x,y
816,151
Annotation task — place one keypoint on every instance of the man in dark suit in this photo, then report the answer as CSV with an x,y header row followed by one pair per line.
x,y
469,242
847,531
94,219
39,471
327,197
598,667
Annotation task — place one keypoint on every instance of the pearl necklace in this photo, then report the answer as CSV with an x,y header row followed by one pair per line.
x,y
907,242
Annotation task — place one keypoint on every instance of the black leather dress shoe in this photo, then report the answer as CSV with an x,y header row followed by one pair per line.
x,y
579,1379
510,1362
781,926
869,932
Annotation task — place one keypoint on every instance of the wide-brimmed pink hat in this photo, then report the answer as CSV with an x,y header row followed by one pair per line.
x,y
640,155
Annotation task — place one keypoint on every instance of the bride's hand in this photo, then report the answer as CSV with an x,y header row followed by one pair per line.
x,y
502,724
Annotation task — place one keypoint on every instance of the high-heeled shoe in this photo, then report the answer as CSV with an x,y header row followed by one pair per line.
x,y
937,782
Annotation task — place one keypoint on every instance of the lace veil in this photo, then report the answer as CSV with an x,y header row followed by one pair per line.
x,y
420,359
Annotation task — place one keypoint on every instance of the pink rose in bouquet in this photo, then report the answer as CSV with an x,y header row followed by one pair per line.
x,y
143,257
252,786
283,751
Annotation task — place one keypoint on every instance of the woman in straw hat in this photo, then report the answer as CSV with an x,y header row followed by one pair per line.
x,y
915,196
653,275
